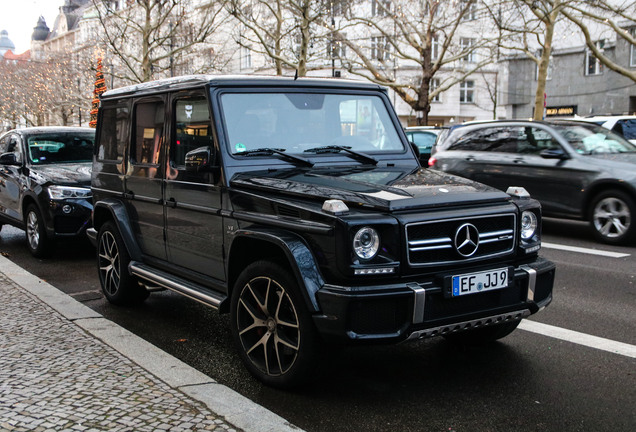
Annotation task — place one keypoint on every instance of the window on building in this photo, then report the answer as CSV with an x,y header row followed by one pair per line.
x,y
380,8
336,7
593,66
246,58
434,85
338,49
470,6
632,49
435,48
380,48
467,46
467,92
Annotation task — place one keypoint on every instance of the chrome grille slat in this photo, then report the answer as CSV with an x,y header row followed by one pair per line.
x,y
432,242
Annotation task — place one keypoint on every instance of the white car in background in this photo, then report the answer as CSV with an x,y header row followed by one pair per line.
x,y
623,125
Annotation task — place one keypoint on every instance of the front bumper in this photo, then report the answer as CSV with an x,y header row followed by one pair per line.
x,y
397,312
69,217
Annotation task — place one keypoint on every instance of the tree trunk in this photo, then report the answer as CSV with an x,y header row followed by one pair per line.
x,y
539,98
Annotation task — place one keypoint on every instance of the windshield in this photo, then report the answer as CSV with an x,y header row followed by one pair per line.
x,y
589,139
303,123
66,147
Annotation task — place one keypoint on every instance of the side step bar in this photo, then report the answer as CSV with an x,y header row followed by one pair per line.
x,y
176,284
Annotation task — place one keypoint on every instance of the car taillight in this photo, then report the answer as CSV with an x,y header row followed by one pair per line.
x,y
431,161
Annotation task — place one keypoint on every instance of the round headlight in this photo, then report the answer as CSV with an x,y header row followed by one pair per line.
x,y
529,225
366,243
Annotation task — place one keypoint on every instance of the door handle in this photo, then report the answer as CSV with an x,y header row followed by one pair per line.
x,y
519,160
129,195
470,158
172,203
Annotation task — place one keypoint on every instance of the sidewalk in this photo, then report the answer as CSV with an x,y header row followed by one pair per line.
x,y
64,367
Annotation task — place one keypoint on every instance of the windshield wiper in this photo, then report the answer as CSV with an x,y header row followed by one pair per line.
x,y
267,151
337,149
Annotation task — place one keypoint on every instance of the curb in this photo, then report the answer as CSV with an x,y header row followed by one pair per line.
x,y
232,406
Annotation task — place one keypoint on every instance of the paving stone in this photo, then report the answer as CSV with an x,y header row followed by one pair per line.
x,y
54,376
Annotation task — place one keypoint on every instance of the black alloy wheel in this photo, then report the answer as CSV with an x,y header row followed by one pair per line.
x,y
119,286
38,242
612,217
272,329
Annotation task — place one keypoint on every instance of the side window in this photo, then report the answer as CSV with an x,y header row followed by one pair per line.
x,y
500,139
113,134
192,134
533,141
149,119
627,128
11,144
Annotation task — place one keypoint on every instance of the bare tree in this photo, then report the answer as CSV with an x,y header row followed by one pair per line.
x,y
423,36
617,17
147,37
287,32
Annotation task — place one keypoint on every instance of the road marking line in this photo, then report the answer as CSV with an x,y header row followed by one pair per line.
x,y
579,338
584,250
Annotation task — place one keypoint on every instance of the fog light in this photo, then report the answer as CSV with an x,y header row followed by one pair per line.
x,y
67,209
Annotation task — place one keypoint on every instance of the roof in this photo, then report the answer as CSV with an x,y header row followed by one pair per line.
x,y
194,81
9,55
47,129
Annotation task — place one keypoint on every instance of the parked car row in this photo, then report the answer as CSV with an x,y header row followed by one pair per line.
x,y
576,169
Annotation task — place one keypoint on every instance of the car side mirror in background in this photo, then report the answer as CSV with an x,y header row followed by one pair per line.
x,y
9,159
199,160
553,154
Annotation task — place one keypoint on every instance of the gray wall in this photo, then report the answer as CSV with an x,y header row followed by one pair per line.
x,y
608,93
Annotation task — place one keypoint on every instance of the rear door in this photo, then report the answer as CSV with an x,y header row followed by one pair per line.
x,y
11,178
144,180
194,231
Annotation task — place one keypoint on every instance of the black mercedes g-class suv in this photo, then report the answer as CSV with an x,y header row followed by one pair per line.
x,y
299,207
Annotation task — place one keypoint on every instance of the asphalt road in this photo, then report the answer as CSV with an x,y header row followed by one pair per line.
x,y
526,382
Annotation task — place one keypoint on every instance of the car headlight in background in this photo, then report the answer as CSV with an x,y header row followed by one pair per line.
x,y
64,192
529,224
366,243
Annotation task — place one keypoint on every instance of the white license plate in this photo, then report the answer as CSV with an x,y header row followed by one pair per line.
x,y
471,283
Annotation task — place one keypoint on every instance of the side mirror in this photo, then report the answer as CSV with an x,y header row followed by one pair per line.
x,y
198,160
9,159
553,154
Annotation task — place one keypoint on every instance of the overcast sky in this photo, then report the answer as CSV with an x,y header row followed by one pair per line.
x,y
18,17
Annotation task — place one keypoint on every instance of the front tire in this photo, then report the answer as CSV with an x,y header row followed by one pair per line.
x,y
119,286
271,326
38,242
612,217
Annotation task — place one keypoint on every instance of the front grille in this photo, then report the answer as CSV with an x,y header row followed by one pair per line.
x,y
433,243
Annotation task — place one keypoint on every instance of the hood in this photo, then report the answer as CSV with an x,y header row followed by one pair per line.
x,y
383,188
63,174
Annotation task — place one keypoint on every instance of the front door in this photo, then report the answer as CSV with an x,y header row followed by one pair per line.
x,y
194,231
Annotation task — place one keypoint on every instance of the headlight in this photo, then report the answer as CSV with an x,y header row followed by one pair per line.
x,y
64,192
366,243
529,225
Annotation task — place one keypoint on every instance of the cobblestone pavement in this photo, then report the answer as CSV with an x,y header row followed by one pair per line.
x,y
56,377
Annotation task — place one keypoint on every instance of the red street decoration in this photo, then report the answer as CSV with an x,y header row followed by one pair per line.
x,y
100,87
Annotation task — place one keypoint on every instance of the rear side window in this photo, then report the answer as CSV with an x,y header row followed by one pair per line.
x,y
627,128
113,134
494,139
149,120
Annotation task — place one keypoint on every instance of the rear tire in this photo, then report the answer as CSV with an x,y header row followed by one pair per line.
x,y
38,242
119,286
483,335
272,329
612,217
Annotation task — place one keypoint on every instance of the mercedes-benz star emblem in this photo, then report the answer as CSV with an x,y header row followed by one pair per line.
x,y
467,240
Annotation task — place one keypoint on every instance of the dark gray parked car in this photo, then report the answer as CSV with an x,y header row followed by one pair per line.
x,y
575,169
